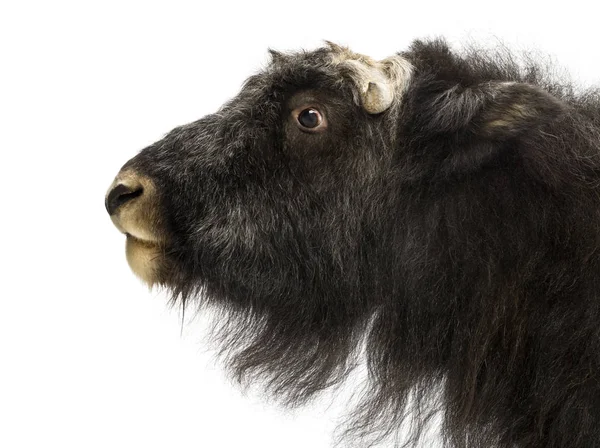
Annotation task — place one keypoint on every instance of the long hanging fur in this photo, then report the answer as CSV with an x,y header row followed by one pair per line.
x,y
454,236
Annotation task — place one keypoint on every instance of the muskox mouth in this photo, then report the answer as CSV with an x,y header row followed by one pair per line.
x,y
146,259
132,204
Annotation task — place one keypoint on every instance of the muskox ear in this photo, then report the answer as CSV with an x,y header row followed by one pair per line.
x,y
516,108
497,110
484,117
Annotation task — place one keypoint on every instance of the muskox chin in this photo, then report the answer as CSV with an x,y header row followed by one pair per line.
x,y
448,242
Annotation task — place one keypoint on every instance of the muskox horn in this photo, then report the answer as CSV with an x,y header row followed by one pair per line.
x,y
377,98
380,83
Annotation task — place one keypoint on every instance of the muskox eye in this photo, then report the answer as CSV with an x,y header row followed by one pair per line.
x,y
310,118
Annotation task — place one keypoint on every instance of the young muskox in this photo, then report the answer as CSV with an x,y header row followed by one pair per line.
x,y
439,210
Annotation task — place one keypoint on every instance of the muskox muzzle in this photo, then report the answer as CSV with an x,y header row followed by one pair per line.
x,y
131,202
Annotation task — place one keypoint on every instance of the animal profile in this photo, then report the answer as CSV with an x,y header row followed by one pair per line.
x,y
436,213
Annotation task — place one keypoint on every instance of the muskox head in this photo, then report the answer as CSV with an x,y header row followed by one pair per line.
x,y
267,192
441,209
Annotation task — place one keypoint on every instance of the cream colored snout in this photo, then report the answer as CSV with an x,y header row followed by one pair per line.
x,y
131,202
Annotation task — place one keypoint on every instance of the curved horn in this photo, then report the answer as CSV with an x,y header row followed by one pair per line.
x,y
377,98
380,83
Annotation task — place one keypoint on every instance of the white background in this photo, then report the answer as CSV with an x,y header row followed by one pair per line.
x,y
89,357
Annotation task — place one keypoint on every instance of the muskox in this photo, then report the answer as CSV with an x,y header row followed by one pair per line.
x,y
435,213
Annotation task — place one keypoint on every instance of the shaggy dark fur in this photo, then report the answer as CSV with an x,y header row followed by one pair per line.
x,y
454,237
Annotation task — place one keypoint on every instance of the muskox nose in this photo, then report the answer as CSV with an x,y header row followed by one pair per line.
x,y
121,194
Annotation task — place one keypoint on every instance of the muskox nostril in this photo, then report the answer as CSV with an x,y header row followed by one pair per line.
x,y
119,195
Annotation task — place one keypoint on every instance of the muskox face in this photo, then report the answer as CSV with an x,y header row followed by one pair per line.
x,y
254,202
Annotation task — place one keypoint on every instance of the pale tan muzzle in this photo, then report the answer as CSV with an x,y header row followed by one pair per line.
x,y
131,202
